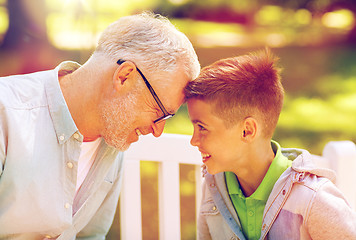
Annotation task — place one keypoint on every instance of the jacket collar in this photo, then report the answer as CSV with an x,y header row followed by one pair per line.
x,y
304,162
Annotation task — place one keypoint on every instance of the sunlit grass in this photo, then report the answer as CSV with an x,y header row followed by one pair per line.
x,y
269,15
275,26
343,19
210,34
180,123
318,115
303,17
76,24
200,27
99,6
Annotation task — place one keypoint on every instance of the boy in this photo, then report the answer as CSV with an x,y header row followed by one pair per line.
x,y
254,189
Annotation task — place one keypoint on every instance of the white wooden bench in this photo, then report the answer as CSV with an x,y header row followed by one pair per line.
x,y
169,151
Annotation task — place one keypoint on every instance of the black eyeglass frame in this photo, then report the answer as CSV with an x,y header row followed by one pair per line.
x,y
166,114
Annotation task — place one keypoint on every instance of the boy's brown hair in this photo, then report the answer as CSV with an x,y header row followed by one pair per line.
x,y
241,87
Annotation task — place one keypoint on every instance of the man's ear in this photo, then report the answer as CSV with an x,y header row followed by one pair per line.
x,y
249,129
124,72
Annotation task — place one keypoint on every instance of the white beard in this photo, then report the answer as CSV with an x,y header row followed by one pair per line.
x,y
118,116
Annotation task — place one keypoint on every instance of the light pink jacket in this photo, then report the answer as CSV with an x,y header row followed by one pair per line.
x,y
304,204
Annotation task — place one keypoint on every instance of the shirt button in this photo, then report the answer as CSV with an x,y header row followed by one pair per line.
x,y
61,138
67,205
250,213
70,165
76,135
214,208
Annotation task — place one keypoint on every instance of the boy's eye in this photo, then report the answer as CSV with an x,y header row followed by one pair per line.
x,y
201,128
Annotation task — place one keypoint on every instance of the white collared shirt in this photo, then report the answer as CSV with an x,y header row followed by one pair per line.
x,y
39,152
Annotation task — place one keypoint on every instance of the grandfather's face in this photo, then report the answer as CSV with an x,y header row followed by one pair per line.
x,y
127,117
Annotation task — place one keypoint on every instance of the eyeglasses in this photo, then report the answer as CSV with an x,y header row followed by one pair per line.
x,y
166,114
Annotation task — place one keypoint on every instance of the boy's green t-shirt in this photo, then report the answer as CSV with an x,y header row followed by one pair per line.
x,y
250,209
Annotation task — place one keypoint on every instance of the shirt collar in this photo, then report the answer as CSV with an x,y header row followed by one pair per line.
x,y
233,185
62,119
279,164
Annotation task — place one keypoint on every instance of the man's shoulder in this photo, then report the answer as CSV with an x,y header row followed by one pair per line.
x,y
23,91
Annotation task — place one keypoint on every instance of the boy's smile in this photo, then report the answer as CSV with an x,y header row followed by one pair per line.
x,y
205,157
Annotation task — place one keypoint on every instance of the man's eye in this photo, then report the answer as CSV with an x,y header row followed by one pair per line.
x,y
159,113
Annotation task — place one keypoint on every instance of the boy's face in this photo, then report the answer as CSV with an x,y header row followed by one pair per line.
x,y
222,148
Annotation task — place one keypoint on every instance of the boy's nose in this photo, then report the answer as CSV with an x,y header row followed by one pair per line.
x,y
195,140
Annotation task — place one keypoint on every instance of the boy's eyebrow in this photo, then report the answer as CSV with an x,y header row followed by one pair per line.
x,y
198,121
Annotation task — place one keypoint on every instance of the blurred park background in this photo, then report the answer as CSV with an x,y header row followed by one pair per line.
x,y
315,40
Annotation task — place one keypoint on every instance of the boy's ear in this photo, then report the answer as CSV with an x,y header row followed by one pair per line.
x,y
249,129
123,72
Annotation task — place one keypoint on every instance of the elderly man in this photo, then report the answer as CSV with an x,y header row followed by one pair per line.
x,y
61,131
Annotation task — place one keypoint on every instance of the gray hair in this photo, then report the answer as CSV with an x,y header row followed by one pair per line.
x,y
151,42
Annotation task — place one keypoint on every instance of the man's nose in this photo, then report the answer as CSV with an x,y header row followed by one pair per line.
x,y
158,128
